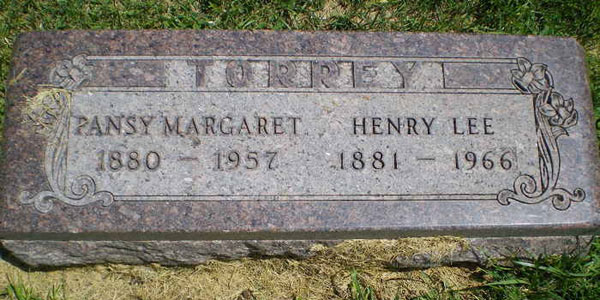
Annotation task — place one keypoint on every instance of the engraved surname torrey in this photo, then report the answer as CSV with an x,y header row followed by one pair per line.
x,y
319,74
300,73
241,136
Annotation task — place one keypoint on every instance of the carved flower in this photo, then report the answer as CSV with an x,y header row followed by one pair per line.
x,y
559,111
70,74
533,78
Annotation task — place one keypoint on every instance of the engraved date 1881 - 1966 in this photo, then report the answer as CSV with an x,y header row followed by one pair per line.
x,y
498,159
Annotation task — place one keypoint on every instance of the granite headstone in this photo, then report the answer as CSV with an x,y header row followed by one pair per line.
x,y
161,143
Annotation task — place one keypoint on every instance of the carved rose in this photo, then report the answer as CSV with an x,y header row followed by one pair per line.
x,y
533,78
559,111
70,74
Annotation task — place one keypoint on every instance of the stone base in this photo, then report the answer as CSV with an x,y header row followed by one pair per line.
x,y
481,251
40,254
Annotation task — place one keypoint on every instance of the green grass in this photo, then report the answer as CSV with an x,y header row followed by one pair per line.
x,y
549,277
17,290
546,278
554,277
358,290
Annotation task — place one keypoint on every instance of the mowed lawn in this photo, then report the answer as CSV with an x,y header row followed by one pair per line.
x,y
558,277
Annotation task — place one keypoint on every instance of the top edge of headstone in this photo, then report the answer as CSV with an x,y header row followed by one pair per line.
x,y
32,37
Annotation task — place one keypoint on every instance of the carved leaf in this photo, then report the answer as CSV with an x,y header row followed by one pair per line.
x,y
548,80
547,110
520,85
524,64
538,71
572,120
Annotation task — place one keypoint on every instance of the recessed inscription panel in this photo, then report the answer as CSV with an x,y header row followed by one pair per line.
x,y
300,146
196,128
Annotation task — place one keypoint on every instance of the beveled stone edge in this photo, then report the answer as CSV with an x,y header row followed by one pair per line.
x,y
44,254
489,231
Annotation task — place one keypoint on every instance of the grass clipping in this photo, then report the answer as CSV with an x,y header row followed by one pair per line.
x,y
326,275
44,109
